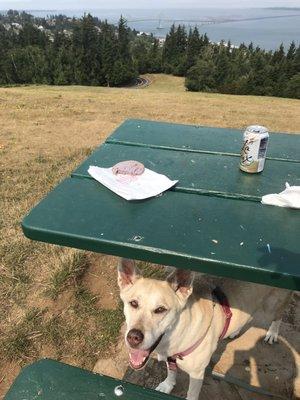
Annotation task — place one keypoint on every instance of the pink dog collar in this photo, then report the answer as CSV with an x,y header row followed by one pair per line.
x,y
223,301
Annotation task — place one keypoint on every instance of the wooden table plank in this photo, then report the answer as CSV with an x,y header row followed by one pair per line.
x,y
200,173
215,235
198,138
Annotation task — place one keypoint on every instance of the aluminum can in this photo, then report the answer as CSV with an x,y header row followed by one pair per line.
x,y
254,150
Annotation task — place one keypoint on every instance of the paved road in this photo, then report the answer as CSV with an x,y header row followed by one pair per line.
x,y
140,83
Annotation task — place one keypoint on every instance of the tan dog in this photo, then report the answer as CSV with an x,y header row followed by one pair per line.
x,y
175,315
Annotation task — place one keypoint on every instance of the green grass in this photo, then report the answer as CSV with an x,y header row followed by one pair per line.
x,y
71,268
148,271
55,331
18,343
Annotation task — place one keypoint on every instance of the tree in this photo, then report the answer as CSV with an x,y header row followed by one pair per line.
x,y
29,35
123,40
193,48
108,49
278,71
222,64
155,57
63,73
5,45
201,77
169,50
258,82
124,62
140,49
26,65
88,64
293,87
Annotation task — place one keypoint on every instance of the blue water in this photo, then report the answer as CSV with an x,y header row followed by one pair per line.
x,y
283,27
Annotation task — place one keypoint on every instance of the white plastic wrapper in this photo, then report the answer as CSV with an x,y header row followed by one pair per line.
x,y
138,187
290,197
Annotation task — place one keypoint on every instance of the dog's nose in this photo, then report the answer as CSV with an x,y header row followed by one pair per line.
x,y
135,337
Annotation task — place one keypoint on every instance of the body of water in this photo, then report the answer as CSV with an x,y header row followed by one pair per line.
x,y
264,27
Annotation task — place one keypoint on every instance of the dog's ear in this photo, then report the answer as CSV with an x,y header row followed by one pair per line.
x,y
181,280
127,273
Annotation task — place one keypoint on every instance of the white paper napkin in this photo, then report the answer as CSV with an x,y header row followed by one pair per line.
x,y
290,197
129,187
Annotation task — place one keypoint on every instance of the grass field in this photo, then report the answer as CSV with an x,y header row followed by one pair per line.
x,y
62,303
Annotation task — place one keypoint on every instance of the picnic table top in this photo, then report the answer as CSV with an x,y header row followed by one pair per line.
x,y
212,221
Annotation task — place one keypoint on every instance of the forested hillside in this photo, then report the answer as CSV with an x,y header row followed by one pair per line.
x,y
87,51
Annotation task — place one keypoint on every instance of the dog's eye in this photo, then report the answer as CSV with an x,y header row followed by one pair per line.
x,y
134,304
160,310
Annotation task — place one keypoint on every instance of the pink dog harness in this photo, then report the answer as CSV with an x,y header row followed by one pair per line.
x,y
223,301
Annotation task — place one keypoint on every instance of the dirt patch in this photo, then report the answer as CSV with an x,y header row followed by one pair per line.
x,y
117,363
8,372
77,326
99,280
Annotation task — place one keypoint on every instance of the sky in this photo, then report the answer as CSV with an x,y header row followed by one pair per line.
x,y
141,4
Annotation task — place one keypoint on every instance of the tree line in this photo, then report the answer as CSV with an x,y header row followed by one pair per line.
x,y
88,51
91,53
225,68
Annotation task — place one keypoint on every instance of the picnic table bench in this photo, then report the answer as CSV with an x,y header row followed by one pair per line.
x,y
212,221
51,380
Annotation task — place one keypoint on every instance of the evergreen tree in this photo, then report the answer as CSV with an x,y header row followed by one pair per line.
x,y
201,77
155,57
141,48
293,60
85,45
169,50
174,51
291,51
123,40
222,64
193,48
26,65
293,87
124,63
278,71
108,49
259,82
4,47
29,35
205,40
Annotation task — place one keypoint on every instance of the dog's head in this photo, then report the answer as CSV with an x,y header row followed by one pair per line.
x,y
151,307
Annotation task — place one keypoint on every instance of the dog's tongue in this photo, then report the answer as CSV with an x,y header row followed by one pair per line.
x,y
137,356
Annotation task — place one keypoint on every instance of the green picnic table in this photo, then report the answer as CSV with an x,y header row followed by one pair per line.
x,y
212,221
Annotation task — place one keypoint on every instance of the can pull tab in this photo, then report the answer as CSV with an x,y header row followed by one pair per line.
x,y
119,390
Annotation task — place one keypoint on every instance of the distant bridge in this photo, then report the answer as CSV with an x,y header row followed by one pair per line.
x,y
208,21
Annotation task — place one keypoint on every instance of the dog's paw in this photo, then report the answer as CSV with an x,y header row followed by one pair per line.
x,y
271,337
164,387
272,334
161,358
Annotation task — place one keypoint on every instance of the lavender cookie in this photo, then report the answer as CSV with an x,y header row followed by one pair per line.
x,y
129,167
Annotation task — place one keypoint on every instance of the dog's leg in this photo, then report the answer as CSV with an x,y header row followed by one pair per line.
x,y
272,334
273,331
234,334
167,385
195,387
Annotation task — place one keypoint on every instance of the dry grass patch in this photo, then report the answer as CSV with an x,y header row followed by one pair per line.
x,y
71,267
58,302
